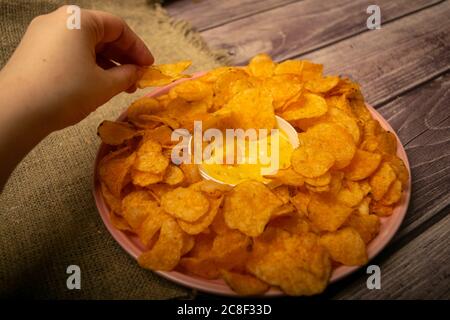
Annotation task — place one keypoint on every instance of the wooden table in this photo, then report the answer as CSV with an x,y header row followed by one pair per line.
x,y
404,71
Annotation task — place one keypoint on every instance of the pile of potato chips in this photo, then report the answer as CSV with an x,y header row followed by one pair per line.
x,y
318,214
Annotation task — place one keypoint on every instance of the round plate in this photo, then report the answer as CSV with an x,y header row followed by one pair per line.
x,y
132,245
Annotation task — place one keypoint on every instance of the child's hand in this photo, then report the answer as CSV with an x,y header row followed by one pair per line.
x,y
65,74
57,76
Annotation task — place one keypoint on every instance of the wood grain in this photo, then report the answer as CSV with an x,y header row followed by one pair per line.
x,y
205,14
301,27
421,118
400,56
417,271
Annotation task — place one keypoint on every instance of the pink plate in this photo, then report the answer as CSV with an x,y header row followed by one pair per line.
x,y
132,245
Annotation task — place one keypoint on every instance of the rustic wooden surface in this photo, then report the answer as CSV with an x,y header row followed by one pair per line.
x,y
404,70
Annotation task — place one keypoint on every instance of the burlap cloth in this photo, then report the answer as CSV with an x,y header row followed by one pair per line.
x,y
48,218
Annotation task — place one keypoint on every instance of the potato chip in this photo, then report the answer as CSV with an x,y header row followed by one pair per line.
x,y
393,194
192,90
115,132
158,119
188,244
144,105
202,267
302,264
322,85
119,222
333,139
114,170
319,181
144,179
288,177
363,207
362,165
381,180
289,67
157,190
311,162
185,204
151,225
149,158
211,188
248,207
367,225
380,210
282,88
244,284
203,222
399,167
251,109
311,70
327,213
301,201
292,223
350,194
261,65
223,87
161,134
282,192
173,176
219,225
136,206
230,250
114,203
345,246
191,173
387,143
166,253
160,75
309,106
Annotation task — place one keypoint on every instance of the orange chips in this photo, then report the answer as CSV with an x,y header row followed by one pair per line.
x,y
319,211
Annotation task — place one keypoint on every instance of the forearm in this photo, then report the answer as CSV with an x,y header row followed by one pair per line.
x,y
21,125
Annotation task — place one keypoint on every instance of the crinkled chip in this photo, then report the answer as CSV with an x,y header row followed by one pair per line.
x,y
149,158
251,109
248,207
309,106
173,176
204,222
381,180
166,252
115,132
136,206
115,168
367,225
363,164
160,75
185,204
261,65
334,139
346,246
298,264
393,194
288,177
244,284
322,85
144,179
311,162
327,213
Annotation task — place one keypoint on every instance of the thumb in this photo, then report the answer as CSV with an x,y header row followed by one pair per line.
x,y
122,77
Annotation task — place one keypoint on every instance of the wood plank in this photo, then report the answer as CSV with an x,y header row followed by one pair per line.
x,y
421,118
303,26
396,58
418,271
206,14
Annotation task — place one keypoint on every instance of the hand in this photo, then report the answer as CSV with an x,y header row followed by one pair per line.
x,y
65,74
57,76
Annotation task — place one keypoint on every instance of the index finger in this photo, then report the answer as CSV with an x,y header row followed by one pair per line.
x,y
116,41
